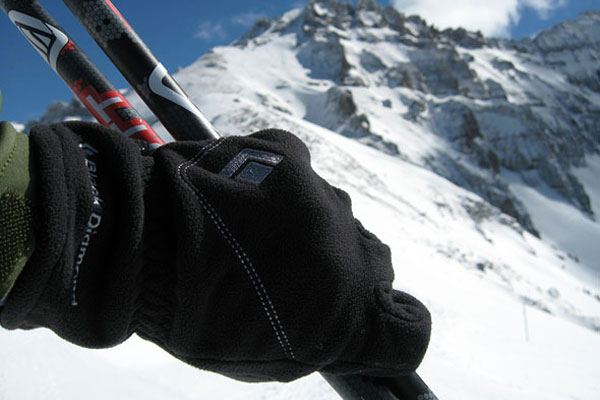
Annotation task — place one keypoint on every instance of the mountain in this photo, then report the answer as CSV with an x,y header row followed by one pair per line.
x,y
476,159
507,120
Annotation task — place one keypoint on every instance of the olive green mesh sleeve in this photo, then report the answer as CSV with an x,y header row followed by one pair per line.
x,y
16,192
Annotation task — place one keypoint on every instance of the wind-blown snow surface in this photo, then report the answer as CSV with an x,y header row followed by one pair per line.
x,y
513,317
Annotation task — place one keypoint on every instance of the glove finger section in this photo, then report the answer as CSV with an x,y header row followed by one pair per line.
x,y
394,328
343,196
399,333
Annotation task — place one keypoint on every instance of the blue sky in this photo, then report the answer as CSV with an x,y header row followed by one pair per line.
x,y
181,33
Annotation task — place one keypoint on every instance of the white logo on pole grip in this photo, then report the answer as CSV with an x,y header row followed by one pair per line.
x,y
156,85
45,38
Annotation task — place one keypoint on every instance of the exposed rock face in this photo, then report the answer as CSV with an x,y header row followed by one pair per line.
x,y
573,49
337,110
533,114
60,111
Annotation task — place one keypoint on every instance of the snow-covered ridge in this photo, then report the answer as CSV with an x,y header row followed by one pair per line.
x,y
573,48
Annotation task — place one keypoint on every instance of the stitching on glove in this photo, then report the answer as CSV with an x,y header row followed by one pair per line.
x,y
240,253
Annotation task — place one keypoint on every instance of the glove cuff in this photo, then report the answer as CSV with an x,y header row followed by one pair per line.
x,y
16,188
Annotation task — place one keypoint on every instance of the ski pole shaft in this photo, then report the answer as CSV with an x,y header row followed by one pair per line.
x,y
143,71
410,387
358,388
90,86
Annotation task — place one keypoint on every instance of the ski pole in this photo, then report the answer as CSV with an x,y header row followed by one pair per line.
x,y
88,84
166,99
410,387
143,71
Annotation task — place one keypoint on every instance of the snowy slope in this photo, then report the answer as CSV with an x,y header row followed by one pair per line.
x,y
516,316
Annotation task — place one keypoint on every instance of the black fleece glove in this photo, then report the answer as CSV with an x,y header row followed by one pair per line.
x,y
233,255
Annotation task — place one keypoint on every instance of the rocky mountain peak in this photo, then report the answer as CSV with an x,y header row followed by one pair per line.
x,y
369,5
367,14
528,112
582,32
572,47
60,111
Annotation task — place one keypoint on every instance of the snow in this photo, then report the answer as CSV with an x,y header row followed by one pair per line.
x,y
19,127
55,369
566,227
320,10
516,81
588,175
514,316
369,18
413,28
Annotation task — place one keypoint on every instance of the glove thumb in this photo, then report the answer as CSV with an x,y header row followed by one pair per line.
x,y
395,336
